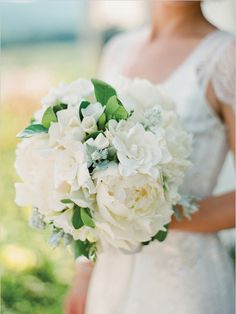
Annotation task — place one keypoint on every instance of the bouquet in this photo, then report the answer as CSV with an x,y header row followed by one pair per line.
x,y
103,165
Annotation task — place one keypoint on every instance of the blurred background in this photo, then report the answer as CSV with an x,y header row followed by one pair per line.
x,y
43,43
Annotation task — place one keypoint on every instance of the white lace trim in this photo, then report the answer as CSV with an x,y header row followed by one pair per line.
x,y
218,66
223,77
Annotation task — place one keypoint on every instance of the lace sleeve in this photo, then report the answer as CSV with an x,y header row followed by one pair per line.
x,y
223,77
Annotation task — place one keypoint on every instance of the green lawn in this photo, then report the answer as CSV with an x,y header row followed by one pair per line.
x,y
34,277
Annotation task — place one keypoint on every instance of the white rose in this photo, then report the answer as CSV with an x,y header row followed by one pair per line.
x,y
93,110
130,209
89,125
139,151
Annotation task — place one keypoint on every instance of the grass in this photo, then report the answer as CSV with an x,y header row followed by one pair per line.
x,y
34,277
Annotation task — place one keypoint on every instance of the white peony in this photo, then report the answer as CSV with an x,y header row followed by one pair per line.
x,y
35,166
130,209
140,95
54,173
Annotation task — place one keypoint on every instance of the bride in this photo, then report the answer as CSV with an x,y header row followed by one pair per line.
x,y
189,273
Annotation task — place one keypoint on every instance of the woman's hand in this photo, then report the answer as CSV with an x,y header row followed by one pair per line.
x,y
76,299
215,213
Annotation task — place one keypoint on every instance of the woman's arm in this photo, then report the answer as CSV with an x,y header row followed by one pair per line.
x,y
216,212
76,300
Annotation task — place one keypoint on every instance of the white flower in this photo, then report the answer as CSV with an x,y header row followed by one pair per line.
x,y
67,129
100,142
83,198
130,209
140,94
50,175
128,176
139,151
89,125
35,165
93,110
71,168
71,94
153,119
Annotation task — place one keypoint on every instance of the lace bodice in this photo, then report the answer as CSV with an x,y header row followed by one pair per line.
x,y
188,273
212,61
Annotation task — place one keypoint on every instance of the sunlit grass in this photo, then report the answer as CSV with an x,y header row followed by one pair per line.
x,y
34,276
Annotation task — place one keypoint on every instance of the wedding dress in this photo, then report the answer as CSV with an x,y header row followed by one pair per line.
x,y
188,273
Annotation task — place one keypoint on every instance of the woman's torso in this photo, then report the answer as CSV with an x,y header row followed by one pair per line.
x,y
187,86
188,273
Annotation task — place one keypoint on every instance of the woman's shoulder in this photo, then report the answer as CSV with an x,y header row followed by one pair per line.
x,y
124,40
225,47
219,66
217,46
116,50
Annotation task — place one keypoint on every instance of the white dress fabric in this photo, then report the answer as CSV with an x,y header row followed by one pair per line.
x,y
188,273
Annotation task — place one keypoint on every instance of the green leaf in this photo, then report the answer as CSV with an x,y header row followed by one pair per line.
x,y
81,248
32,120
93,135
102,121
161,235
32,130
76,217
165,182
121,113
85,248
103,91
112,105
84,104
59,107
63,106
48,117
86,217
115,109
67,201
177,213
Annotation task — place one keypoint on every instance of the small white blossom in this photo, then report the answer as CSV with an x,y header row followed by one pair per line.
x,y
93,110
152,119
89,125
